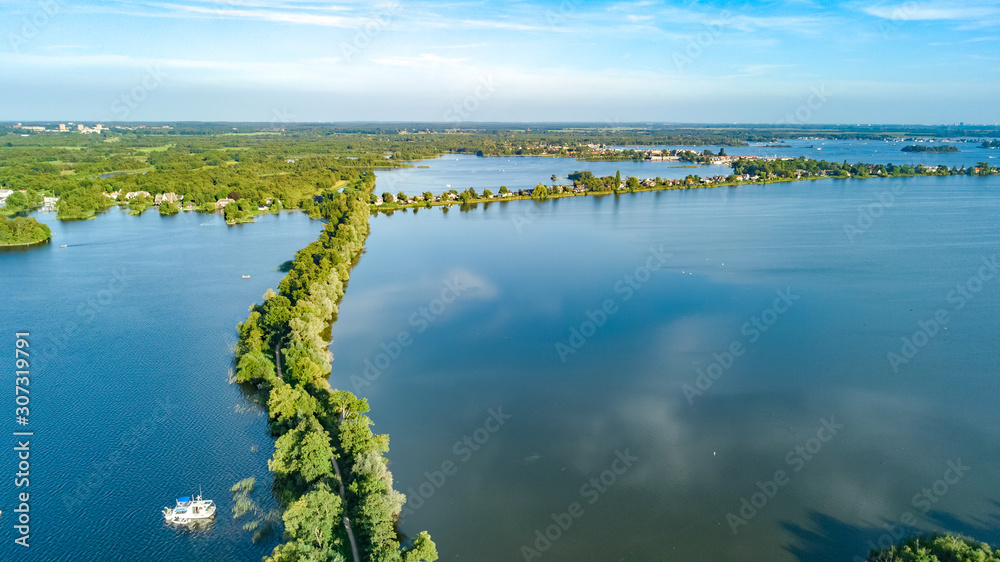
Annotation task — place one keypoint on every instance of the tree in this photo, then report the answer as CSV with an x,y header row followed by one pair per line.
x,y
632,183
504,190
17,201
388,197
301,459
313,517
422,550
254,366
401,197
540,192
168,208
618,180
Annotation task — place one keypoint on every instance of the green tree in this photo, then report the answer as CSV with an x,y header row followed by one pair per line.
x,y
301,459
313,517
423,549
17,201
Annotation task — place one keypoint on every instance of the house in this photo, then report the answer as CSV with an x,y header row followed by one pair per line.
x,y
4,194
49,204
221,203
134,194
379,200
167,198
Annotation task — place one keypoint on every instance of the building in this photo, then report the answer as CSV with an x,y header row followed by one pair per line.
x,y
4,194
167,198
221,203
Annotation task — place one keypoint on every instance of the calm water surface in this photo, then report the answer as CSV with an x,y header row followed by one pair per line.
x,y
812,393
131,332
460,171
505,312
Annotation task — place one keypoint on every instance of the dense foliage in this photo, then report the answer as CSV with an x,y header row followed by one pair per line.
x,y
22,231
936,548
329,467
926,148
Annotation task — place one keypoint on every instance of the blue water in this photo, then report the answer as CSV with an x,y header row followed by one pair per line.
x,y
487,304
132,327
460,171
533,272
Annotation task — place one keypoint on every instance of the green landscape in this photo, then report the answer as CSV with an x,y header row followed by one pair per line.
x,y
330,474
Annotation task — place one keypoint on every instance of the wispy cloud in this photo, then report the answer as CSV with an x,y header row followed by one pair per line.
x,y
916,11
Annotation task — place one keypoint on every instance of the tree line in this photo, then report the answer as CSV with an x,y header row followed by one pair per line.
x,y
330,472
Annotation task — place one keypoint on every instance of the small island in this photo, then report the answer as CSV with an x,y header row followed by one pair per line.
x,y
935,547
922,148
22,231
990,144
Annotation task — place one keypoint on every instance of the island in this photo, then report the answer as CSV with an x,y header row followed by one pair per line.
x,y
990,144
935,149
22,231
935,547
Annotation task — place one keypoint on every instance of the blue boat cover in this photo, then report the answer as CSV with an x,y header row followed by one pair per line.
x,y
185,499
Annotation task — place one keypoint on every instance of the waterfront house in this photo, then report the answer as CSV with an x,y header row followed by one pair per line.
x,y
221,203
167,198
4,194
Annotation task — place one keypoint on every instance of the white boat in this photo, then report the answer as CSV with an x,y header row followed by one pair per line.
x,y
188,510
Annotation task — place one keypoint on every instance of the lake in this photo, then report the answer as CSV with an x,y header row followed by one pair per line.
x,y
132,327
761,344
462,171
679,375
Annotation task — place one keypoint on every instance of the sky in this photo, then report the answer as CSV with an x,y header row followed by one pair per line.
x,y
711,61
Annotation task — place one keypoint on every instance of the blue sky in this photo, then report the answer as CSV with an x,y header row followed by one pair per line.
x,y
915,61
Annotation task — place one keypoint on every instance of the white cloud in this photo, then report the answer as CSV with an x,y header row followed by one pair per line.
x,y
919,11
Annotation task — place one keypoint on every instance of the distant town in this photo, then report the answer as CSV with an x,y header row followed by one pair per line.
x,y
71,127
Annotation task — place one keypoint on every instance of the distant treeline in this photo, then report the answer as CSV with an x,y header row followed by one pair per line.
x,y
926,148
329,468
936,548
